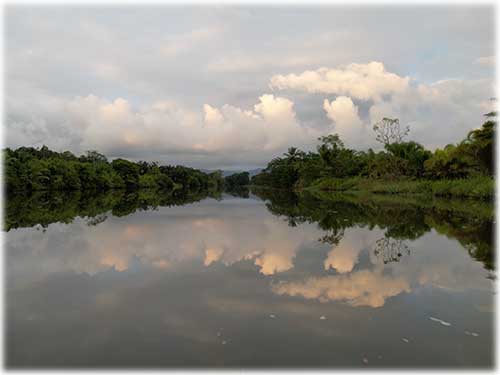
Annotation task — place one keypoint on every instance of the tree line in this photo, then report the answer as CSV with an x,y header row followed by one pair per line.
x,y
237,180
29,169
399,159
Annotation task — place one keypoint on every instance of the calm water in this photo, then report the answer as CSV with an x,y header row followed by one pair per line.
x,y
248,281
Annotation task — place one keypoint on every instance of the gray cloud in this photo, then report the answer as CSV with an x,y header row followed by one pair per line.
x,y
160,66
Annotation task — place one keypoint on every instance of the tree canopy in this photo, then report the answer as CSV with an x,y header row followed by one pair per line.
x,y
31,169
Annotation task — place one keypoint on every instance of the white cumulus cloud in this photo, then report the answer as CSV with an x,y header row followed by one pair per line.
x,y
360,81
164,130
447,108
344,114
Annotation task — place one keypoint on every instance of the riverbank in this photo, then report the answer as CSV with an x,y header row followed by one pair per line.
x,y
481,187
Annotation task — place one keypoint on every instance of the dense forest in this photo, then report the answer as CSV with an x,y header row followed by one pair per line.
x,y
463,169
236,180
29,169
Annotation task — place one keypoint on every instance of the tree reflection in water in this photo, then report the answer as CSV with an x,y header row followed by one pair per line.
x,y
390,249
402,218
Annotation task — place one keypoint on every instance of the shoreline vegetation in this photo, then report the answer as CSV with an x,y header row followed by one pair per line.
x,y
479,187
463,170
29,170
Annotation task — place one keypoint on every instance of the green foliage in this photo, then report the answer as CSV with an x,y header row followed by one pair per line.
x,y
215,181
284,172
451,162
310,168
128,171
480,144
338,160
409,157
392,170
473,156
480,187
383,165
93,157
193,179
337,184
456,170
29,169
299,169
237,180
262,179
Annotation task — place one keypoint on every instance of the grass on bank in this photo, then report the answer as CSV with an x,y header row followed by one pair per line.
x,y
480,187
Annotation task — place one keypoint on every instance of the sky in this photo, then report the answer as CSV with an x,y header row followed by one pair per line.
x,y
232,87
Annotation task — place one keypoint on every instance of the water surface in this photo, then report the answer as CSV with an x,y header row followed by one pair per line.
x,y
257,280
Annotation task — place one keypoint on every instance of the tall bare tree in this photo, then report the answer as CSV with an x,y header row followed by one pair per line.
x,y
389,130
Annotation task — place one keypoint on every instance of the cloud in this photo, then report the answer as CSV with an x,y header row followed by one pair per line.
x,y
209,232
367,287
212,115
486,60
211,136
189,57
185,42
363,288
165,129
344,114
271,245
212,255
446,109
204,233
342,258
245,63
342,111
428,108
360,81
345,255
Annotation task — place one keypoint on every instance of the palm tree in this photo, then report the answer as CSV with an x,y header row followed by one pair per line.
x,y
294,154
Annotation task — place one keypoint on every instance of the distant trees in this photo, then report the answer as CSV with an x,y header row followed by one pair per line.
x,y
93,157
31,169
190,178
215,180
128,171
237,180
